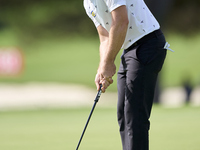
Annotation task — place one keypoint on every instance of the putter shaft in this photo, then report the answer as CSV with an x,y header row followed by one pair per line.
x,y
95,102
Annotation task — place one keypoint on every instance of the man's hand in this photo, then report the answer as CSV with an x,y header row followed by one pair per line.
x,y
106,72
104,76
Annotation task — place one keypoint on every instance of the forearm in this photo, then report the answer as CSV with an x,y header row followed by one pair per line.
x,y
110,47
116,39
102,49
112,41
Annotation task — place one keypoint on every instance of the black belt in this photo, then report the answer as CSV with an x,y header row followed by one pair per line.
x,y
147,37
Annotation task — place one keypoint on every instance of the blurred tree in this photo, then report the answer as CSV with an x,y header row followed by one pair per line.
x,y
184,17
39,17
63,17
160,9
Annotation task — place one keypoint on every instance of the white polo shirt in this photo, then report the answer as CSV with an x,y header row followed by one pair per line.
x,y
141,20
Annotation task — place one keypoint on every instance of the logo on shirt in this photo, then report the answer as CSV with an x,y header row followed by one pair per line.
x,y
93,14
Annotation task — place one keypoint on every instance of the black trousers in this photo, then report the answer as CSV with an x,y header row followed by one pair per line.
x,y
137,75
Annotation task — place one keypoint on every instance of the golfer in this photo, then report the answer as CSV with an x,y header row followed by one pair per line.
x,y
129,25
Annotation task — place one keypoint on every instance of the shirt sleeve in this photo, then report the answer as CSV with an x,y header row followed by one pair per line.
x,y
96,23
113,4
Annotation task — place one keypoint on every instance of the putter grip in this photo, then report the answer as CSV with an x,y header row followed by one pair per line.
x,y
98,94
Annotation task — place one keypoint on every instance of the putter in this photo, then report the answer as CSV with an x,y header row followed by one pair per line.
x,y
95,102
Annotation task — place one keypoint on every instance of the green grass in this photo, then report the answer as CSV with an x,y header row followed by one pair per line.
x,y
183,62
75,59
174,129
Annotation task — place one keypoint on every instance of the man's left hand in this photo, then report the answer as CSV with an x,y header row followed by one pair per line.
x,y
106,72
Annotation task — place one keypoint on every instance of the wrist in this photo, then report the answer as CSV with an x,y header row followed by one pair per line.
x,y
107,60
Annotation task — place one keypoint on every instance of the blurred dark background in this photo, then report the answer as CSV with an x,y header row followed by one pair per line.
x,y
63,17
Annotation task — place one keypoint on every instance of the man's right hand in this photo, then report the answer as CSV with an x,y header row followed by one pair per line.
x,y
104,76
105,82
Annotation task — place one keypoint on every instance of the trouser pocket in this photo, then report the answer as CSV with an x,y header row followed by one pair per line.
x,y
149,50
